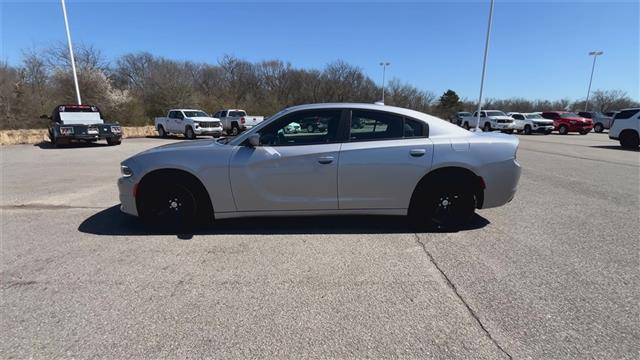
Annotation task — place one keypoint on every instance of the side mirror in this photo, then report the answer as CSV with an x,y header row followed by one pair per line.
x,y
254,140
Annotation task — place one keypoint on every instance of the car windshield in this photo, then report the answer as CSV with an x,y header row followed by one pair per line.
x,y
533,116
195,114
237,113
495,113
568,115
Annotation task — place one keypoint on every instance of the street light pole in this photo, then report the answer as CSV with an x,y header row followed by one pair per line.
x,y
484,65
595,55
73,61
384,70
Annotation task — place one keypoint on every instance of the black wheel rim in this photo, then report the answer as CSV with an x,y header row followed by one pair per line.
x,y
448,207
177,206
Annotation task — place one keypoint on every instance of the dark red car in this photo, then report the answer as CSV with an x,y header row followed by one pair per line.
x,y
566,122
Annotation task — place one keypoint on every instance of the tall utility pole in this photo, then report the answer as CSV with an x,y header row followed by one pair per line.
x,y
484,64
595,55
384,65
73,61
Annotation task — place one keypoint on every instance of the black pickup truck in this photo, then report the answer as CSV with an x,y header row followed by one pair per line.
x,y
73,123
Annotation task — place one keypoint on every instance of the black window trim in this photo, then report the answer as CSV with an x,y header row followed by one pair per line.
x,y
338,139
347,137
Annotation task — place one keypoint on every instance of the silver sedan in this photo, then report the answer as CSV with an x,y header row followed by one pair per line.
x,y
366,159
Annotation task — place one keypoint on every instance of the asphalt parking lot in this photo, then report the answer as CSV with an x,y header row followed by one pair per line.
x,y
554,274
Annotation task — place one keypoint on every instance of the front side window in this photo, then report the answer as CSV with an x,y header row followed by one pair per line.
x,y
374,125
303,128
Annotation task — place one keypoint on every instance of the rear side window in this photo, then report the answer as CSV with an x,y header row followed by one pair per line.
x,y
626,114
237,113
375,125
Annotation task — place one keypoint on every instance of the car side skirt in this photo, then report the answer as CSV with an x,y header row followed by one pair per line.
x,y
240,214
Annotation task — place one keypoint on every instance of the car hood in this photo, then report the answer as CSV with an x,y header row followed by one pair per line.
x,y
182,145
501,117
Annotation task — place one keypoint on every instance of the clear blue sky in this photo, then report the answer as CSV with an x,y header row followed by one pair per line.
x,y
538,48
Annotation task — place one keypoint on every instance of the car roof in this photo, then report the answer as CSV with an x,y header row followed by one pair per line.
x,y
187,110
362,106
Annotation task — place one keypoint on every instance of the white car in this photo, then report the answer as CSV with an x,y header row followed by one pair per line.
x,y
399,162
624,127
190,122
490,120
528,123
235,121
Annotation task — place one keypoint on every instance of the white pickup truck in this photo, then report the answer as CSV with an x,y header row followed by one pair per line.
x,y
490,120
189,122
235,121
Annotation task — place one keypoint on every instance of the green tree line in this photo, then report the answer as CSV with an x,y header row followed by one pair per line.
x,y
134,88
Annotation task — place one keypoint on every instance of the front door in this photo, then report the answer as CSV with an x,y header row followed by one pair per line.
x,y
289,171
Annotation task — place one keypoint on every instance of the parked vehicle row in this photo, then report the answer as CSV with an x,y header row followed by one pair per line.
x,y
193,122
489,120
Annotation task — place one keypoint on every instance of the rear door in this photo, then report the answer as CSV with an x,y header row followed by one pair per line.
x,y
382,161
289,171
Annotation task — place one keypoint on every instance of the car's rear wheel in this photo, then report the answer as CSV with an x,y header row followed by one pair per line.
x,y
527,129
598,128
235,130
445,204
629,139
161,132
563,130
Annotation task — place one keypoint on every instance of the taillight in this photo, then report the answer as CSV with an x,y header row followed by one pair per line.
x,y
242,120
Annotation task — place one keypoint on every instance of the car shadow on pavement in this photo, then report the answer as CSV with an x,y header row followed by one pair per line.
x,y
614,147
45,145
113,222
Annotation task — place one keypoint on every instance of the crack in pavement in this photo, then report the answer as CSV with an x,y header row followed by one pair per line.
x,y
455,291
37,206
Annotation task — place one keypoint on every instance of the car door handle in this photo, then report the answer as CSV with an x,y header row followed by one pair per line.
x,y
325,159
417,152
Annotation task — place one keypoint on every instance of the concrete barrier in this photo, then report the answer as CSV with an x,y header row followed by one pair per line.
x,y
35,136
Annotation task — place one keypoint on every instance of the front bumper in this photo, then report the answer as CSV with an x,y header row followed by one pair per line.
x,y
215,131
542,128
126,188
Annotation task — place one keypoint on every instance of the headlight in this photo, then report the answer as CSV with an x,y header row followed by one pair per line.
x,y
125,171
116,129
196,124
66,130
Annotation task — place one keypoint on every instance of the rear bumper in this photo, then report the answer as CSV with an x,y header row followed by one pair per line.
x,y
501,181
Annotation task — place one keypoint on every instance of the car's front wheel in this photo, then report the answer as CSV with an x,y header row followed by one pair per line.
x,y
466,125
563,130
527,129
176,202
598,128
487,127
113,142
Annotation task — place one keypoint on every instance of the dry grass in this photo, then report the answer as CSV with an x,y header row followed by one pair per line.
x,y
36,136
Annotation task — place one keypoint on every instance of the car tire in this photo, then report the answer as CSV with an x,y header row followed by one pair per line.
x,y
548,132
563,130
486,127
598,128
584,132
175,203
629,139
189,134
445,204
112,142
527,129
465,125
161,132
235,130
